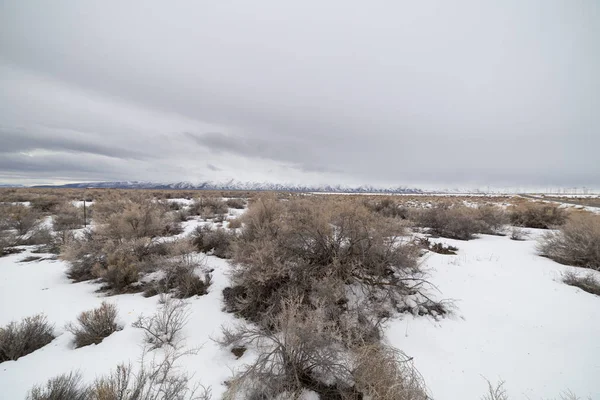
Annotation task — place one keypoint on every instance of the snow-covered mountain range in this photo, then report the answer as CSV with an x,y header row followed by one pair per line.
x,y
236,185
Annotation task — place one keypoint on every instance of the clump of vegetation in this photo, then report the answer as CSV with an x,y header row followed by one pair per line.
x,y
7,242
302,245
236,203
19,217
575,243
307,351
94,325
439,248
388,208
218,241
208,207
45,203
537,215
179,276
67,217
460,222
152,381
18,339
517,234
234,223
63,387
135,219
588,283
165,326
454,222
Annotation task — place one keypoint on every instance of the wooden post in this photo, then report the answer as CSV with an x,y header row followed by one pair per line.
x,y
84,215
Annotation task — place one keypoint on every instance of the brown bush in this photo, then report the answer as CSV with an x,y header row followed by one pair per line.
x,y
182,279
295,248
208,207
383,373
236,203
166,325
137,220
19,339
21,218
7,242
537,215
588,283
307,351
121,271
45,203
494,219
575,243
63,387
454,222
304,353
94,325
67,216
83,255
218,241
388,208
234,223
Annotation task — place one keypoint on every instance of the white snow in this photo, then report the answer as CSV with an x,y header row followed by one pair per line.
x,y
30,288
514,321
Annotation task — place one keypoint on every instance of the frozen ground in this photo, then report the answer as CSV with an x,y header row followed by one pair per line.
x,y
514,321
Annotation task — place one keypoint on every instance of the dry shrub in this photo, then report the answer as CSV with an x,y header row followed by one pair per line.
x,y
179,276
494,219
63,387
588,283
134,219
182,279
388,208
94,325
83,255
438,248
297,247
495,392
236,203
121,271
19,339
537,215
208,207
303,351
20,218
454,222
45,203
575,243
218,241
7,242
234,223
67,216
157,380
165,326
306,351
517,234
118,262
385,373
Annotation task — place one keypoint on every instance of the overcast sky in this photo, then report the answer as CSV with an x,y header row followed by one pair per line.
x,y
415,93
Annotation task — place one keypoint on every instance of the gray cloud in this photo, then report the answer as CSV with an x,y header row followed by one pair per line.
x,y
343,92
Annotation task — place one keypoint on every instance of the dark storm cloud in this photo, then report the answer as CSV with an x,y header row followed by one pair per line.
x,y
442,93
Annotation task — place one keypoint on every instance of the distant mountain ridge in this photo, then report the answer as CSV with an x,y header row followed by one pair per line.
x,y
234,185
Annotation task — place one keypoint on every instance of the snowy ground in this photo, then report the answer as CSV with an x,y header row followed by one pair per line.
x,y
514,321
